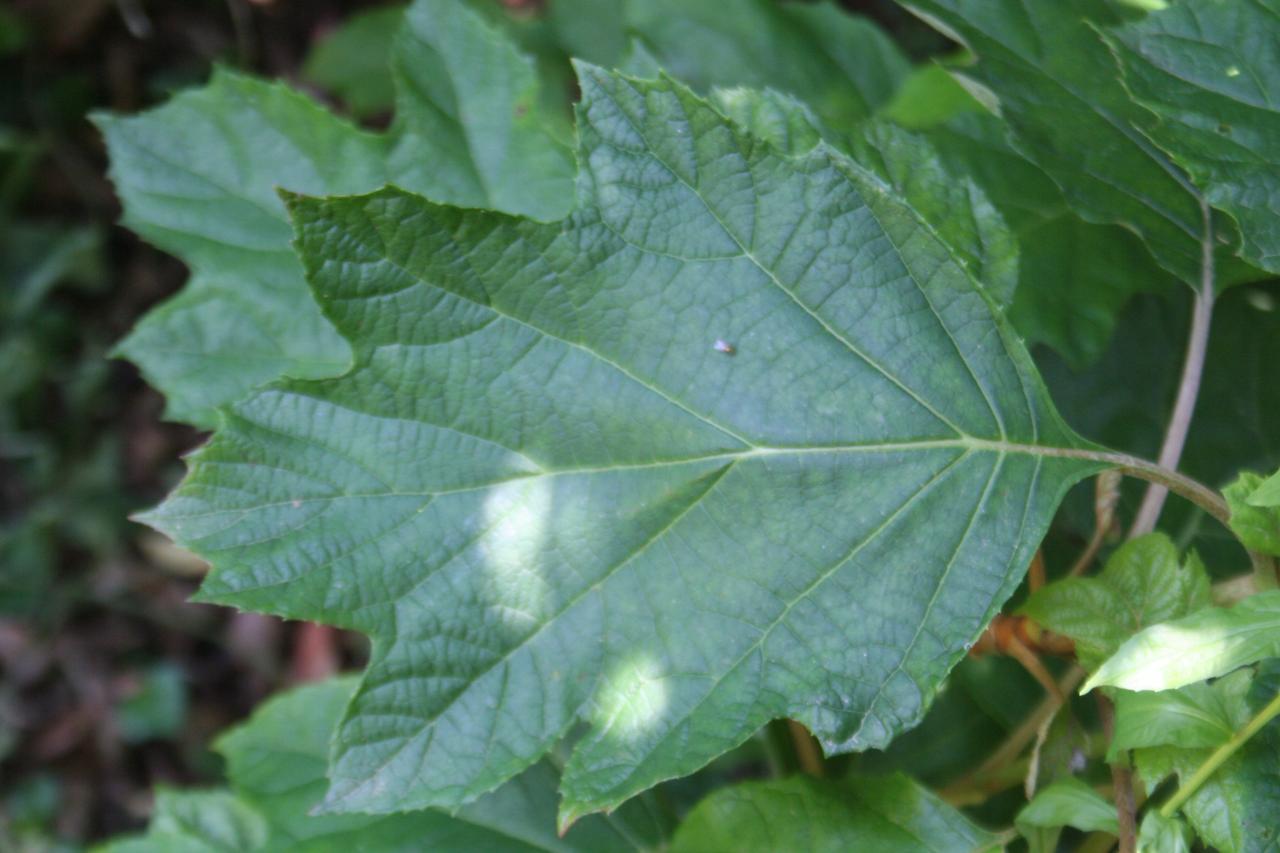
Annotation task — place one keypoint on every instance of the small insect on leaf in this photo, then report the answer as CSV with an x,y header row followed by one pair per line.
x,y
724,347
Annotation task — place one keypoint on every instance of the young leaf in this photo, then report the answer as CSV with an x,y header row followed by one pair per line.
x,y
1256,523
276,767
1199,715
1142,583
1069,802
198,178
1235,809
1206,644
1060,92
1267,494
1211,72
737,440
890,813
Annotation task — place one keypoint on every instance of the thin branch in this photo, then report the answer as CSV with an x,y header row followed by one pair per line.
x,y
1122,781
1175,437
1219,757
807,752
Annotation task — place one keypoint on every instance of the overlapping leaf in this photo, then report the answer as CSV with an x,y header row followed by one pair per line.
x,y
1234,809
1059,91
198,178
738,439
1211,72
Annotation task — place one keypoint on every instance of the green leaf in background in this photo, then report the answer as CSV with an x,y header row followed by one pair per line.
x,y
1256,523
197,822
1059,91
1206,644
872,814
1142,583
727,363
1235,810
844,67
1072,277
470,126
1201,715
198,177
1211,72
156,708
928,97
1069,802
351,61
276,768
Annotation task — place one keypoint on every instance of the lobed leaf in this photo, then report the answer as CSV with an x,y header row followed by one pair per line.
x,y
198,178
1256,522
738,439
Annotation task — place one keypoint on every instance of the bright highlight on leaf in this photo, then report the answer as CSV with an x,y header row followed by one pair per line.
x,y
548,498
1206,644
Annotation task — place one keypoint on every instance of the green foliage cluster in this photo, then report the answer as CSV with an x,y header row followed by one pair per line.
x,y
628,427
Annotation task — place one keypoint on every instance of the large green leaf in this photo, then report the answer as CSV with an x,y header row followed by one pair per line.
x,y
1059,90
1211,72
198,178
1142,583
276,767
737,440
1206,644
872,814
